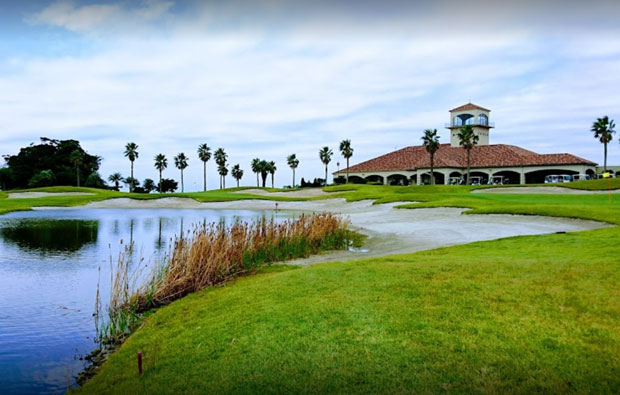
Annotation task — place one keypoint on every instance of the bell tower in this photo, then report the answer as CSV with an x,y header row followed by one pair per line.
x,y
470,114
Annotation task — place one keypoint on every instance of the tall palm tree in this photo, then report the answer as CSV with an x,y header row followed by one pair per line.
x,y
131,152
161,163
223,170
430,141
256,168
116,178
347,152
180,161
272,170
263,169
468,140
293,162
237,173
325,154
77,158
204,153
603,130
220,158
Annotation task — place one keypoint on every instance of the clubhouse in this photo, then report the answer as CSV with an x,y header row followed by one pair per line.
x,y
490,163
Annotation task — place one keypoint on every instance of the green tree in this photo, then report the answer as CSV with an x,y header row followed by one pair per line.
x,y
132,183
116,178
256,168
603,130
263,169
430,141
223,172
77,158
44,178
181,163
271,168
94,180
131,152
204,153
148,185
325,154
468,140
293,162
237,173
221,157
161,163
347,153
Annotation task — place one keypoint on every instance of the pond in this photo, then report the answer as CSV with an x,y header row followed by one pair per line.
x,y
49,271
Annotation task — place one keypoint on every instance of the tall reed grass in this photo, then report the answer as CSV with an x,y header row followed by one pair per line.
x,y
210,255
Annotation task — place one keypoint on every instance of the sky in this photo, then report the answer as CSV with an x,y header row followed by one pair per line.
x,y
270,78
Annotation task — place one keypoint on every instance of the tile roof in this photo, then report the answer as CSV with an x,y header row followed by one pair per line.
x,y
497,155
470,106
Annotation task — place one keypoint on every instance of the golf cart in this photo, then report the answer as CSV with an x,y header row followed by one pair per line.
x,y
498,180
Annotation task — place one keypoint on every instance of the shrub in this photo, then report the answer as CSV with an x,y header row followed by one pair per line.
x,y
44,178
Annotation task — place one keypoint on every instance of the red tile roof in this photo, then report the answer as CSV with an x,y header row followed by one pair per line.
x,y
470,106
497,155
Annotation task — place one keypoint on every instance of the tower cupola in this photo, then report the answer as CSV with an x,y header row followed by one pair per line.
x,y
470,114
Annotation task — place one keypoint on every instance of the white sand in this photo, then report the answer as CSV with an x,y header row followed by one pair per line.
x,y
301,193
389,230
33,195
541,190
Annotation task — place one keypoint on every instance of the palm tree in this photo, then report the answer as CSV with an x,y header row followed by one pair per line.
x,y
237,173
161,163
180,161
263,169
220,157
347,152
131,152
256,168
204,153
603,130
468,140
223,170
116,178
271,168
430,141
77,158
293,162
325,154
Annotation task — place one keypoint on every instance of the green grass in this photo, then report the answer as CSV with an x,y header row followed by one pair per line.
x,y
519,315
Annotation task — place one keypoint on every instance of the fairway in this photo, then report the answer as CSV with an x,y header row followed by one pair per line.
x,y
523,314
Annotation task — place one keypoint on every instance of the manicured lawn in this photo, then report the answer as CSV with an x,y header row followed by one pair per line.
x,y
524,314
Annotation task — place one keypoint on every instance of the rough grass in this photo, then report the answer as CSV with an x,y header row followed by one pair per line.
x,y
534,314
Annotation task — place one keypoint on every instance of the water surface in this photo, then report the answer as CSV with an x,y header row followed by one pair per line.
x,y
49,270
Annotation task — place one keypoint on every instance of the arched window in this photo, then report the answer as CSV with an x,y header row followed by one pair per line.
x,y
458,121
483,119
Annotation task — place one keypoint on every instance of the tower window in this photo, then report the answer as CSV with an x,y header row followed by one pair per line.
x,y
483,119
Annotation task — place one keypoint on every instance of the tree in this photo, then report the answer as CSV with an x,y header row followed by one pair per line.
x,y
161,163
167,185
256,168
237,173
52,155
603,130
131,152
148,185
347,153
325,154
271,168
468,140
293,162
204,153
430,141
180,161
221,158
94,180
44,178
223,171
132,183
263,168
116,178
77,158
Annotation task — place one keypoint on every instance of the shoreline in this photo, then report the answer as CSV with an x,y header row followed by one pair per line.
x,y
389,231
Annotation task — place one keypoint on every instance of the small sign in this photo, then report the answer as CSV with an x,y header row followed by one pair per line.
x,y
606,175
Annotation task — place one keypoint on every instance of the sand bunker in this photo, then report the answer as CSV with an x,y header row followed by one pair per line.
x,y
390,231
301,193
34,195
540,190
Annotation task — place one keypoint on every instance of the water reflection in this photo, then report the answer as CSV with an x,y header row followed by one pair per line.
x,y
49,263
47,235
